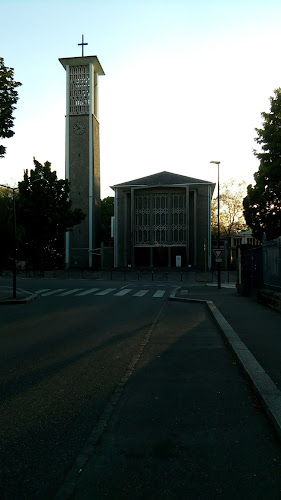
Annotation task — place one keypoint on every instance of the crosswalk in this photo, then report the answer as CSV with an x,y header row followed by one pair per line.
x,y
81,292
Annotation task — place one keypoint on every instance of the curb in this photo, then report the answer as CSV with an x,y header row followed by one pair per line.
x,y
23,300
265,388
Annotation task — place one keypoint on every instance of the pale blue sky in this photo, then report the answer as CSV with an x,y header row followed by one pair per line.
x,y
185,82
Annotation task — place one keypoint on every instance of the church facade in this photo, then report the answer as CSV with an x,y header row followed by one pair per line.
x,y
163,220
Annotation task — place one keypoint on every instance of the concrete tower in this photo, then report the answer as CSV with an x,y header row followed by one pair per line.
x,y
82,154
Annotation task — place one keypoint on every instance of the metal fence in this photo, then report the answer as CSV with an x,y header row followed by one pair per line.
x,y
180,276
272,263
250,268
260,266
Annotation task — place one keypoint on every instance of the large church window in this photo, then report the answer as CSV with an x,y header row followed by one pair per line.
x,y
142,219
160,216
178,223
160,219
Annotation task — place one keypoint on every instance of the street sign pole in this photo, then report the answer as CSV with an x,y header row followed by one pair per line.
x,y
218,254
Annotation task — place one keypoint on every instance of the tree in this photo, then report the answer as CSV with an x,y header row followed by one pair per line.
x,y
262,205
6,217
107,211
231,209
8,99
44,210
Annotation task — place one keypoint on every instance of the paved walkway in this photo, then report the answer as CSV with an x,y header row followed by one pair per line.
x,y
258,326
185,422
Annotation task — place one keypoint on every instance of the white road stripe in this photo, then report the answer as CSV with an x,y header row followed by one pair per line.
x,y
105,292
62,292
69,292
123,292
159,293
86,292
52,292
141,293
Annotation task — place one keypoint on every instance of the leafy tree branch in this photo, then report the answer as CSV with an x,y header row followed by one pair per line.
x,y
8,99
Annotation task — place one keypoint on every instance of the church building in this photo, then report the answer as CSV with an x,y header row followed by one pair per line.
x,y
163,220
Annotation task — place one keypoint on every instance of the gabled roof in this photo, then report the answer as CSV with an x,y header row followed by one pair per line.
x,y
162,179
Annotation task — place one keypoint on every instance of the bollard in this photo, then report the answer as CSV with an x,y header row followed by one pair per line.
x,y
151,275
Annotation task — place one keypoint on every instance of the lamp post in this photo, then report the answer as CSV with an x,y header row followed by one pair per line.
x,y
14,240
218,239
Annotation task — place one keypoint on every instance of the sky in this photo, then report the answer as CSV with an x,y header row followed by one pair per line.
x,y
185,83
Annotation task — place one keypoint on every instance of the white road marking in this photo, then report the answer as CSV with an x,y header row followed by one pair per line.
x,y
159,293
52,292
62,292
141,293
87,292
69,292
123,292
105,292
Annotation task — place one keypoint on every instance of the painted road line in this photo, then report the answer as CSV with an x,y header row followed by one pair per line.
x,y
52,292
69,292
159,293
43,290
123,292
105,292
141,293
87,292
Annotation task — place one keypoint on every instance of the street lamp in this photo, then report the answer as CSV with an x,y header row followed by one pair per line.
x,y
15,241
218,240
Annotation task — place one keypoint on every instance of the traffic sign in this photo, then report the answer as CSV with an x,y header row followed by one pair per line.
x,y
218,253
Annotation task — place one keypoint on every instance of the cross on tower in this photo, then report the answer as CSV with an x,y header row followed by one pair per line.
x,y
82,45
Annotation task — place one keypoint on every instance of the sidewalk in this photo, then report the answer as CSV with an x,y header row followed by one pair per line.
x,y
258,326
184,423
22,296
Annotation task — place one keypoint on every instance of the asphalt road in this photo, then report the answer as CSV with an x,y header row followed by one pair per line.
x,y
61,358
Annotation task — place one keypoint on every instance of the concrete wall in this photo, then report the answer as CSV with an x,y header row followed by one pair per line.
x,y
79,157
79,189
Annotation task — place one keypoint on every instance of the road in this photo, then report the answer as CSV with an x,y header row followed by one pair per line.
x,y
61,358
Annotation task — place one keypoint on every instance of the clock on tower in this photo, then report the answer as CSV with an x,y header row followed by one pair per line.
x,y
82,162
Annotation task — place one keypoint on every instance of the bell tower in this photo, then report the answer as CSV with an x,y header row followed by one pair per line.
x,y
82,154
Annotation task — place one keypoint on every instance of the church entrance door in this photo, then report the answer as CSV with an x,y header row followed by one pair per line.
x,y
160,257
142,257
